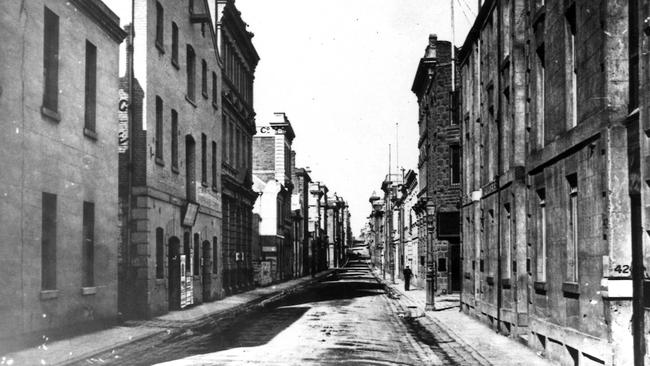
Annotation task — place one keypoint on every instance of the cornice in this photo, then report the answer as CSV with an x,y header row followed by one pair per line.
x,y
102,16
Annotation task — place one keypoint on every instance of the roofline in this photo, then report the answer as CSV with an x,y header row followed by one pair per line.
x,y
103,16
475,31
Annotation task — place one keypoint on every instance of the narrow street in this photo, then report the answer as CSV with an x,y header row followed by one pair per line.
x,y
346,318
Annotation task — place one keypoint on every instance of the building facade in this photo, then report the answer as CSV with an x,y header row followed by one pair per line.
x,y
318,199
439,164
238,127
300,203
273,183
170,194
554,137
59,167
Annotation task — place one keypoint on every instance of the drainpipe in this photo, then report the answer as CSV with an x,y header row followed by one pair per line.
x,y
498,185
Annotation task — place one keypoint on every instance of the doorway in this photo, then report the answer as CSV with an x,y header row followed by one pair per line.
x,y
455,265
206,271
174,277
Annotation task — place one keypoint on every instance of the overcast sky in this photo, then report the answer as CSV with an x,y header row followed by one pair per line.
x,y
342,72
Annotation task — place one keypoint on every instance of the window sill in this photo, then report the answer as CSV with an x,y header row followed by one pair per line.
x,y
540,287
85,291
160,47
204,184
53,115
215,105
175,169
49,294
571,288
189,100
205,95
175,64
90,134
160,161
214,188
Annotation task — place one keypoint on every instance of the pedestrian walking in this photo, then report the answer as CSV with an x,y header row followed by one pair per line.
x,y
407,278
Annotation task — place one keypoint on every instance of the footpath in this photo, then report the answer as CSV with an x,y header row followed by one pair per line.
x,y
484,344
75,349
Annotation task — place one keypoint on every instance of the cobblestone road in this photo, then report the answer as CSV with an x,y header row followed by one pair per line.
x,y
346,319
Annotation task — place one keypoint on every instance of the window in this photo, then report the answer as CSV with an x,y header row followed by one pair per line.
x,y
160,253
215,255
159,130
572,220
91,88
541,222
174,44
214,165
633,34
88,248
422,260
442,264
224,131
160,19
507,243
454,104
539,94
197,257
48,242
190,169
571,63
174,141
51,64
204,79
455,163
204,158
214,89
190,73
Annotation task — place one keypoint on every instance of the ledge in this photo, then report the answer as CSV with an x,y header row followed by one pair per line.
x,y
205,94
160,47
85,291
571,288
540,287
189,100
53,115
175,169
160,161
215,105
90,134
175,64
49,294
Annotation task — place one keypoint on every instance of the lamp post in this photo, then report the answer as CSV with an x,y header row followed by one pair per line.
x,y
431,271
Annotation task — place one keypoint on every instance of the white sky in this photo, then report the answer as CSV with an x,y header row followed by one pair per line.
x,y
342,72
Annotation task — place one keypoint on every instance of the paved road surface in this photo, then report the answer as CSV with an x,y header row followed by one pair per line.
x,y
346,319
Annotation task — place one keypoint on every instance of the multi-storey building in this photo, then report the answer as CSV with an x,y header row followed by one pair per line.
x,y
376,226
238,127
390,221
439,163
170,192
554,137
317,201
59,167
273,183
300,202
409,250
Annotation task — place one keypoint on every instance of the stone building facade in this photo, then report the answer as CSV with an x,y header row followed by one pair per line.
x,y
171,194
273,183
300,202
439,164
238,127
58,95
554,138
318,198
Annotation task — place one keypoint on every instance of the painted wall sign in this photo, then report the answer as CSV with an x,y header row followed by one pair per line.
x,y
123,122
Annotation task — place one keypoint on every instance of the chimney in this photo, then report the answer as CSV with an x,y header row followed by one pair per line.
x,y
430,51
